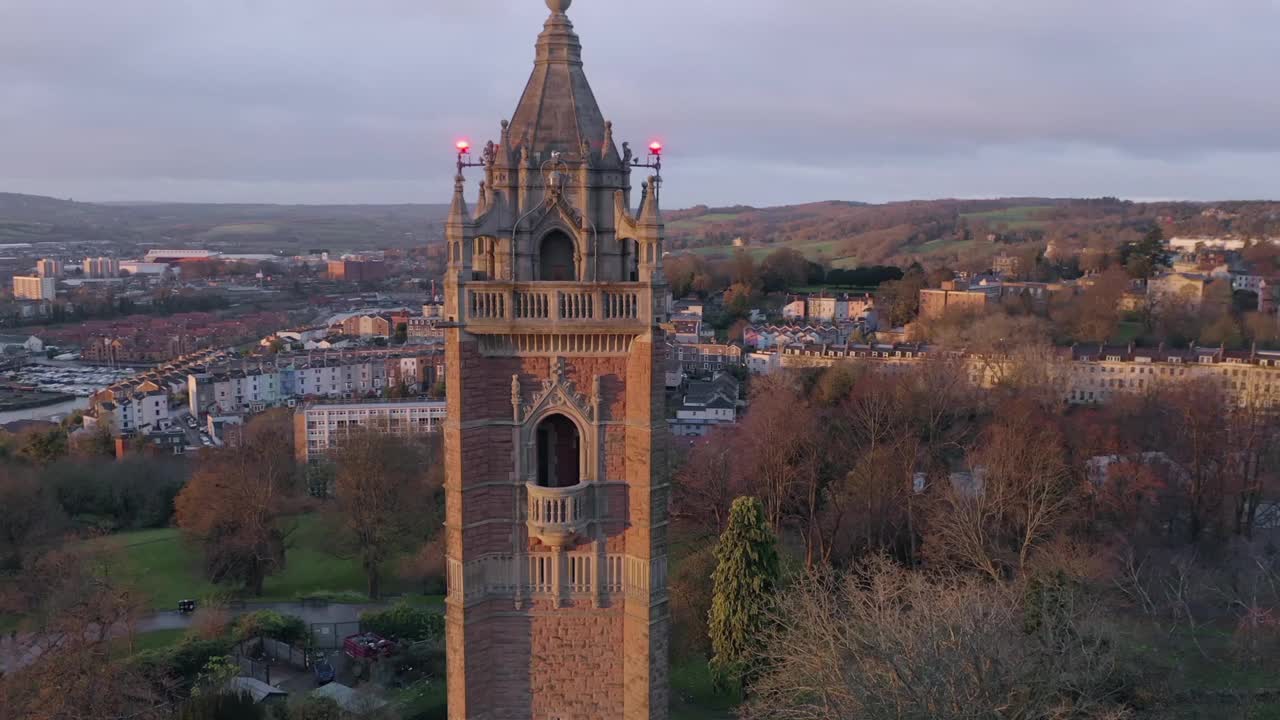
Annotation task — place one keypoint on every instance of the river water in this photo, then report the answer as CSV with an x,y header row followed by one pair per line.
x,y
44,413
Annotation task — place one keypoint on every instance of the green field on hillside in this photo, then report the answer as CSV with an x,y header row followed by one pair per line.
x,y
826,250
1017,218
693,222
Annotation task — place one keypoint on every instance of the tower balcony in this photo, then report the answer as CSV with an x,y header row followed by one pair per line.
x,y
504,307
557,515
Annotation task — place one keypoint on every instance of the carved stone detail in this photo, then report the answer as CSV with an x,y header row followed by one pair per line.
x,y
558,391
515,397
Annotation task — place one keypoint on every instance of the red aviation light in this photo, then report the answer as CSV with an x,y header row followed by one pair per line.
x,y
463,146
655,147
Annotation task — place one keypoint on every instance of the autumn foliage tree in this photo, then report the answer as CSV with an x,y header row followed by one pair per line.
x,y
77,615
388,497
233,506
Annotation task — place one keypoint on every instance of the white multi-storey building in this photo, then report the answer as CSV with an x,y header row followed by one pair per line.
x,y
140,412
321,427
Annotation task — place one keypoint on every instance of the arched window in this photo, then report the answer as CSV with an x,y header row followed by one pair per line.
x,y
484,259
555,258
559,452
630,261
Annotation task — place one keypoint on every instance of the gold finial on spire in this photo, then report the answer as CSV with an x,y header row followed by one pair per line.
x,y
559,7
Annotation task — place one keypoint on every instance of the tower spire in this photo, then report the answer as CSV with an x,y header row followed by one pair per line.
x,y
458,213
558,111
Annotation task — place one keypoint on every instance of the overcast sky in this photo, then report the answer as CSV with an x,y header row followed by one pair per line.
x,y
323,101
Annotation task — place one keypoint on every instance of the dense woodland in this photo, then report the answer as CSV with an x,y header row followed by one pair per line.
x,y
951,553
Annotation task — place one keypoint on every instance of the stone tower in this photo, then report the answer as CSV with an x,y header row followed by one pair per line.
x,y
555,442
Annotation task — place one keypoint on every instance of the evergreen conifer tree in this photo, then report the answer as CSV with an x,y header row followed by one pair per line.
x,y
744,581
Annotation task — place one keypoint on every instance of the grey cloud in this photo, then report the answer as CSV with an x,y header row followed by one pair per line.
x,y
761,102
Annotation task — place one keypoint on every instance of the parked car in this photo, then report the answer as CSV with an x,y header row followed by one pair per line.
x,y
186,607
322,670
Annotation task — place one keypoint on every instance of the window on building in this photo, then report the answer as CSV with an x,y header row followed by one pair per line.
x,y
555,258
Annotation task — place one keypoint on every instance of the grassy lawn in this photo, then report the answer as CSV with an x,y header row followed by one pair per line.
x,y
162,566
310,568
1126,332
1185,675
694,695
154,640
424,700
168,570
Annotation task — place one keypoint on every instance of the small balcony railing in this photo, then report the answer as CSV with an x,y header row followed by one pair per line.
x,y
557,515
569,304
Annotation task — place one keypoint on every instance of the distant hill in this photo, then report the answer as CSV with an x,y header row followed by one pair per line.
x,y
840,234
231,227
959,232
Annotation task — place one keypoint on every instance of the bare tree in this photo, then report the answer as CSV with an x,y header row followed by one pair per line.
x,y
889,643
77,616
777,436
1017,494
1198,441
387,490
709,480
1252,445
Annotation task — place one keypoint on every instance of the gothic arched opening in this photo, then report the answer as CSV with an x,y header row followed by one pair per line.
x,y
559,452
484,262
555,258
630,261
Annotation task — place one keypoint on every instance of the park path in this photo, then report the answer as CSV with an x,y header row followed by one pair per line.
x,y
16,650
311,613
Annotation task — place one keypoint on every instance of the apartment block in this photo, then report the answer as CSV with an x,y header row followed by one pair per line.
x,y
322,427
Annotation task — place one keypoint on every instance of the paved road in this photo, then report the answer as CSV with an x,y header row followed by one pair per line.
x,y
13,654
331,613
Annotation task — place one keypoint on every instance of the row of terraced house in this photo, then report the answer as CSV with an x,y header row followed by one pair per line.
x,y
1081,374
143,403
240,386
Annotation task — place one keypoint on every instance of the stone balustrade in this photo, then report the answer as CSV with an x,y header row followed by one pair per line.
x,y
499,305
557,515
580,575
